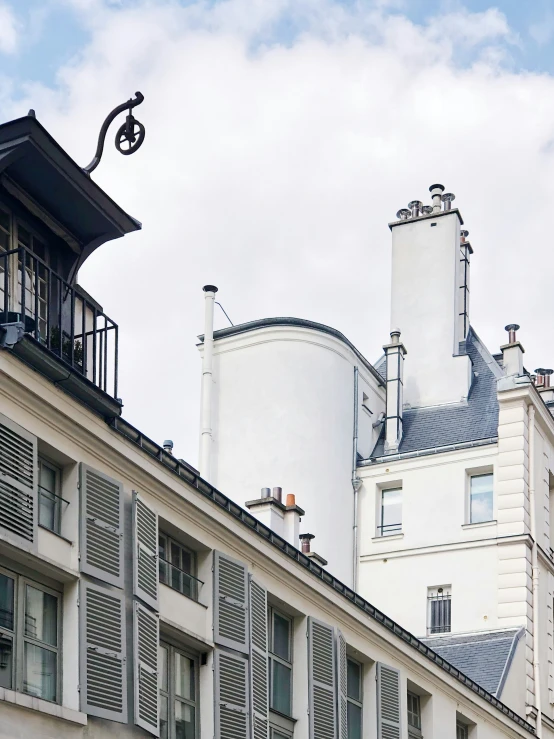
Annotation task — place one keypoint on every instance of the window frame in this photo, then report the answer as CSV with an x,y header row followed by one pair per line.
x,y
272,657
381,526
170,693
414,732
195,582
58,500
475,474
19,638
460,726
438,594
358,702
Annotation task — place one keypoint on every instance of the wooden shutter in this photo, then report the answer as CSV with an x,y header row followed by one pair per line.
x,y
101,526
388,702
231,695
230,603
18,484
103,653
342,701
145,660
145,552
321,680
258,661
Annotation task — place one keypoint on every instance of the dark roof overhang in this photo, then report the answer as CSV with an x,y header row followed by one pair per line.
x,y
36,163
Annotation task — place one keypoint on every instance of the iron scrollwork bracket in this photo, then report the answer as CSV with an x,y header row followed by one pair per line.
x,y
129,136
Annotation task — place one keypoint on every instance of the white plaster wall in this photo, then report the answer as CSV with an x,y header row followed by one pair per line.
x,y
425,255
283,415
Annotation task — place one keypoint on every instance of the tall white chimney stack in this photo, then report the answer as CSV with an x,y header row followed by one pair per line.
x,y
206,436
395,352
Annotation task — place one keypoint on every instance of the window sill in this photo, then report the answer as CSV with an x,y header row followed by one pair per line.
x,y
280,720
37,704
63,538
482,525
392,537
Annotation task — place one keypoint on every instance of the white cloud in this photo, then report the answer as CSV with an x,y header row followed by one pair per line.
x,y
9,30
272,170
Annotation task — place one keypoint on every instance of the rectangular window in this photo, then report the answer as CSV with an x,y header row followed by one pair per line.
x,y
354,698
414,716
178,567
439,610
178,682
391,512
462,731
34,632
49,487
280,662
480,498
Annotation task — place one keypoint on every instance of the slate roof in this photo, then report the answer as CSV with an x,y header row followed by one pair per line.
x,y
483,657
438,426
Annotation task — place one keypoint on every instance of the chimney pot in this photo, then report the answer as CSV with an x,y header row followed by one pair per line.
x,y
395,336
511,328
209,289
168,446
447,199
427,210
306,539
463,235
403,214
291,499
415,207
266,493
547,373
436,191
278,494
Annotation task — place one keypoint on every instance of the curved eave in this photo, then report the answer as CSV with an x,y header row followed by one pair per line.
x,y
287,322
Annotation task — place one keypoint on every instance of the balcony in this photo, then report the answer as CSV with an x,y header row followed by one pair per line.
x,y
52,326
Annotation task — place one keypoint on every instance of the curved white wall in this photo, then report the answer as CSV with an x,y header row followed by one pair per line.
x,y
283,416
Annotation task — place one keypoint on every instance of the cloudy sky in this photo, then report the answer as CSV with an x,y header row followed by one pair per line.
x,y
282,136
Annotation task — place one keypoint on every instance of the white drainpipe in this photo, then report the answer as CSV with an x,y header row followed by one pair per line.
x,y
206,439
535,571
356,484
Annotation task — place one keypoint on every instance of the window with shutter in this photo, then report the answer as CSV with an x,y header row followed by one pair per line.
x,y
101,526
145,661
231,695
145,557
18,484
321,680
342,692
388,702
258,661
230,603
103,658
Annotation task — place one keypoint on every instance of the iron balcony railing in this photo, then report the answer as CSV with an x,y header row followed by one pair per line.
x,y
179,580
389,529
56,315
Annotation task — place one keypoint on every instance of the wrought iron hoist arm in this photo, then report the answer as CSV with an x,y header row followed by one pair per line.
x,y
131,132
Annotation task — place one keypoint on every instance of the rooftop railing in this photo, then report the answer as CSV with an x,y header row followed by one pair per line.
x,y
56,315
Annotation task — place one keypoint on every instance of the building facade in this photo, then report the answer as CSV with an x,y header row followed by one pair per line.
x,y
427,477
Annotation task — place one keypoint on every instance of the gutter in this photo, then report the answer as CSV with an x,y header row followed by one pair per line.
x,y
425,452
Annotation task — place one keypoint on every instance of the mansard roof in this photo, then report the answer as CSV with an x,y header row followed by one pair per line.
x,y
484,657
461,423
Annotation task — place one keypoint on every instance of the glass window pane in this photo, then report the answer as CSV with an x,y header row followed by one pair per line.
x,y
162,663
391,511
175,555
184,721
163,718
4,220
481,499
6,661
186,561
6,602
47,478
47,510
184,676
281,637
281,688
354,718
23,235
39,672
162,547
353,680
41,616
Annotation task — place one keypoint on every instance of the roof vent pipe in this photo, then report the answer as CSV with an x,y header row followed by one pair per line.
x,y
447,199
436,191
306,539
427,210
415,207
511,328
266,493
543,377
168,446
547,373
403,214
278,494
463,236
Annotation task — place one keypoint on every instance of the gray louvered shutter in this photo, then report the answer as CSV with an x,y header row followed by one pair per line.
x,y
18,484
101,526
342,701
145,641
145,552
231,696
103,647
321,680
258,661
230,603
388,702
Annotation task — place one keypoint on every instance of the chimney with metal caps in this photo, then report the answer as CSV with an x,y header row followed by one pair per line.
x,y
436,192
293,515
512,352
395,352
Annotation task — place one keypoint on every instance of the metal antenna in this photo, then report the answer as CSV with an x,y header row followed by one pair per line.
x,y
129,136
